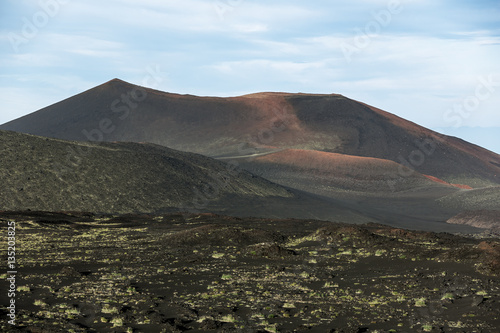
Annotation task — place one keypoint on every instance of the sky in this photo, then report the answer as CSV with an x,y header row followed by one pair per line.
x,y
433,62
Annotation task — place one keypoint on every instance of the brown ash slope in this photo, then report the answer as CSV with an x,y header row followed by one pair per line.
x,y
39,173
390,191
245,125
489,219
326,173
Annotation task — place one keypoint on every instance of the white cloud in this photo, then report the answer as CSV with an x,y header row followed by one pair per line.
x,y
250,28
85,45
188,15
33,59
284,68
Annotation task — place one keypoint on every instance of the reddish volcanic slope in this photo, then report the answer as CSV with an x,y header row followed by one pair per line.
x,y
228,127
437,180
321,172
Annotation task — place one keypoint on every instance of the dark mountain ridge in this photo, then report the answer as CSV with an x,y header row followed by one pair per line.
x,y
245,125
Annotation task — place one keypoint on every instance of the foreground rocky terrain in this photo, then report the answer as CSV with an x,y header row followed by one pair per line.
x,y
82,272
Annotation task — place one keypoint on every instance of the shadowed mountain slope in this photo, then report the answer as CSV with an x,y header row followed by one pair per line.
x,y
51,174
39,173
258,123
478,199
